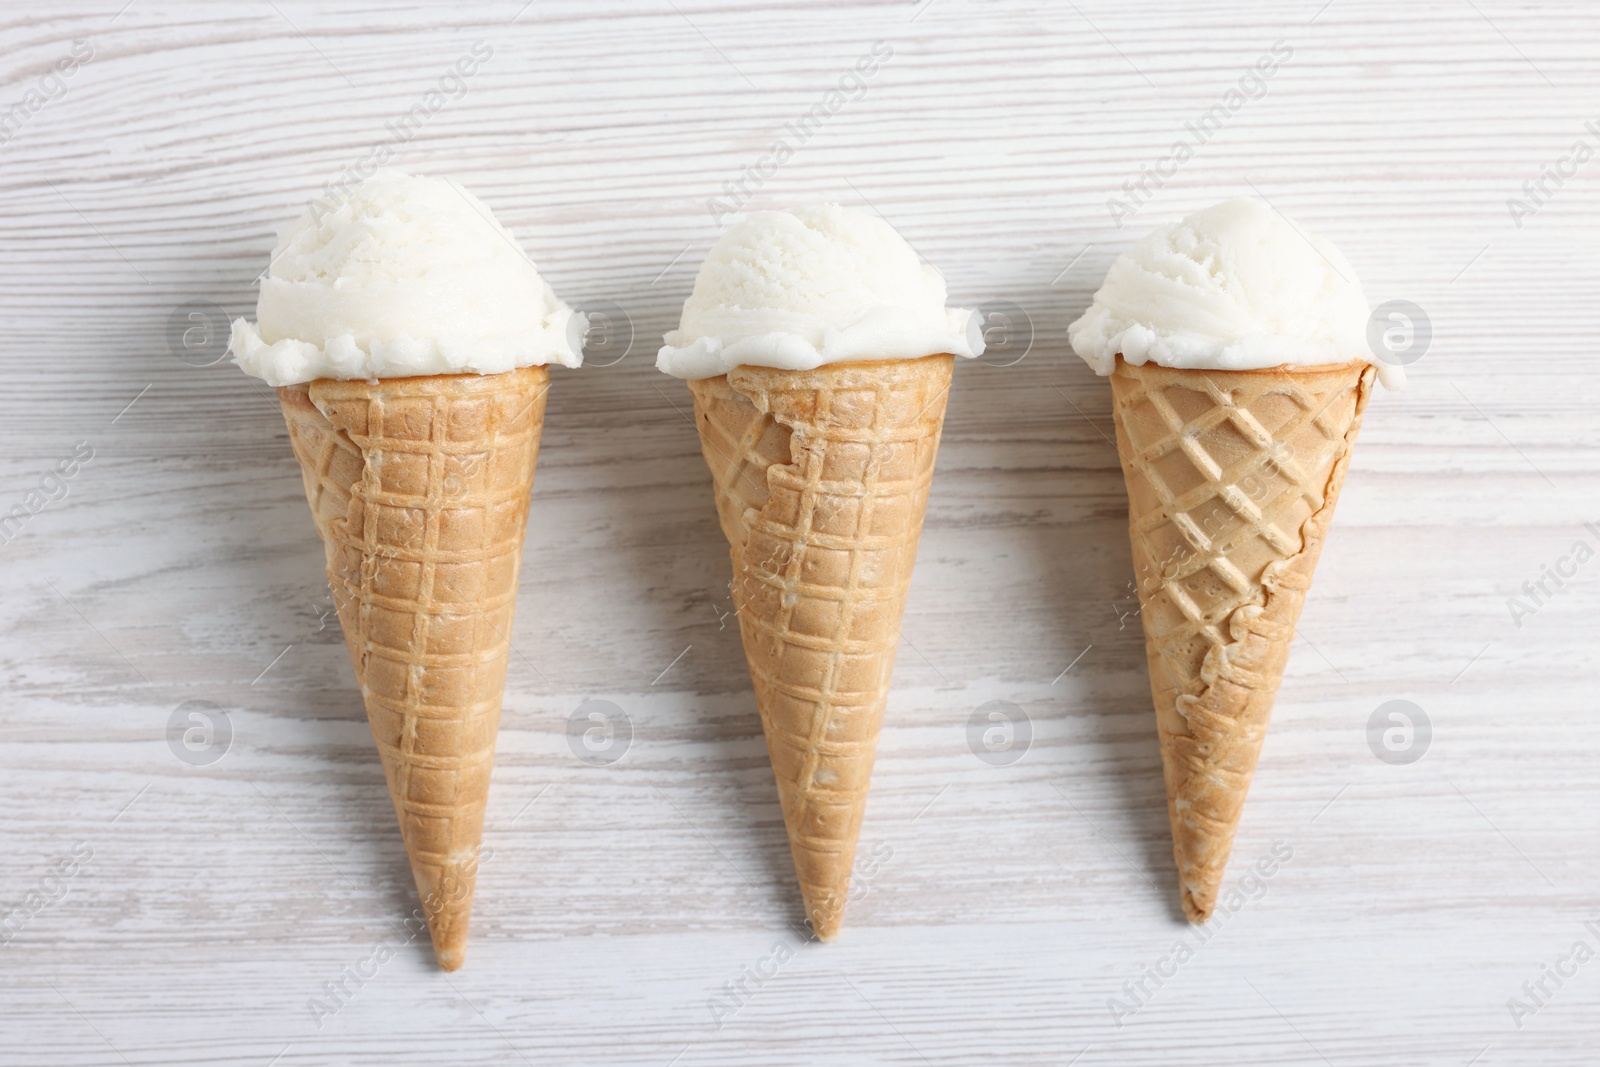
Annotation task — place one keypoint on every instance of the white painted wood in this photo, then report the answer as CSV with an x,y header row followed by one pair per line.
x,y
1018,900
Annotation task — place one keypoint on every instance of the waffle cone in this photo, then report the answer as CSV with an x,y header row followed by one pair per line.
x,y
419,488
821,480
1232,481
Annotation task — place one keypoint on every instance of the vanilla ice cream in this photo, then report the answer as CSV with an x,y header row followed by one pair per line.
x,y
1236,286
408,276
799,289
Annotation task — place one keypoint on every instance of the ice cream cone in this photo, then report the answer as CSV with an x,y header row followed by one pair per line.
x,y
821,480
419,488
1232,481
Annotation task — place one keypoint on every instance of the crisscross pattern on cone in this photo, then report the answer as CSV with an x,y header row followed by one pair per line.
x,y
1232,481
419,488
821,479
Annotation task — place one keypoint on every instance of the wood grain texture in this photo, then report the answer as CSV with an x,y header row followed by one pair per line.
x,y
1012,902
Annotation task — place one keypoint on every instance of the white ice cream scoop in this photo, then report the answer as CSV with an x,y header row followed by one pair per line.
x,y
822,284
406,276
1236,286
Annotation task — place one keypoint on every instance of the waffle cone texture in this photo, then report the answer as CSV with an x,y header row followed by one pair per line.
x,y
419,488
821,480
1232,480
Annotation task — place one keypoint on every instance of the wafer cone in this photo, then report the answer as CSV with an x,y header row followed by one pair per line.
x,y
419,488
821,480
1232,480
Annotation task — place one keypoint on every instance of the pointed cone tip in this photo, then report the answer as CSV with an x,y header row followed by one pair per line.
x,y
825,923
1198,909
450,959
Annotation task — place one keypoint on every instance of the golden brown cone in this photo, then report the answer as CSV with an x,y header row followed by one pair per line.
x,y
419,488
821,480
1232,481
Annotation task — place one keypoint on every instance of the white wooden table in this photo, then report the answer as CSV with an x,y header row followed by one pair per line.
x,y
209,903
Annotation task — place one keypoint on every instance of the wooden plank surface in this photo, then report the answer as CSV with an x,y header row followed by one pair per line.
x,y
209,905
